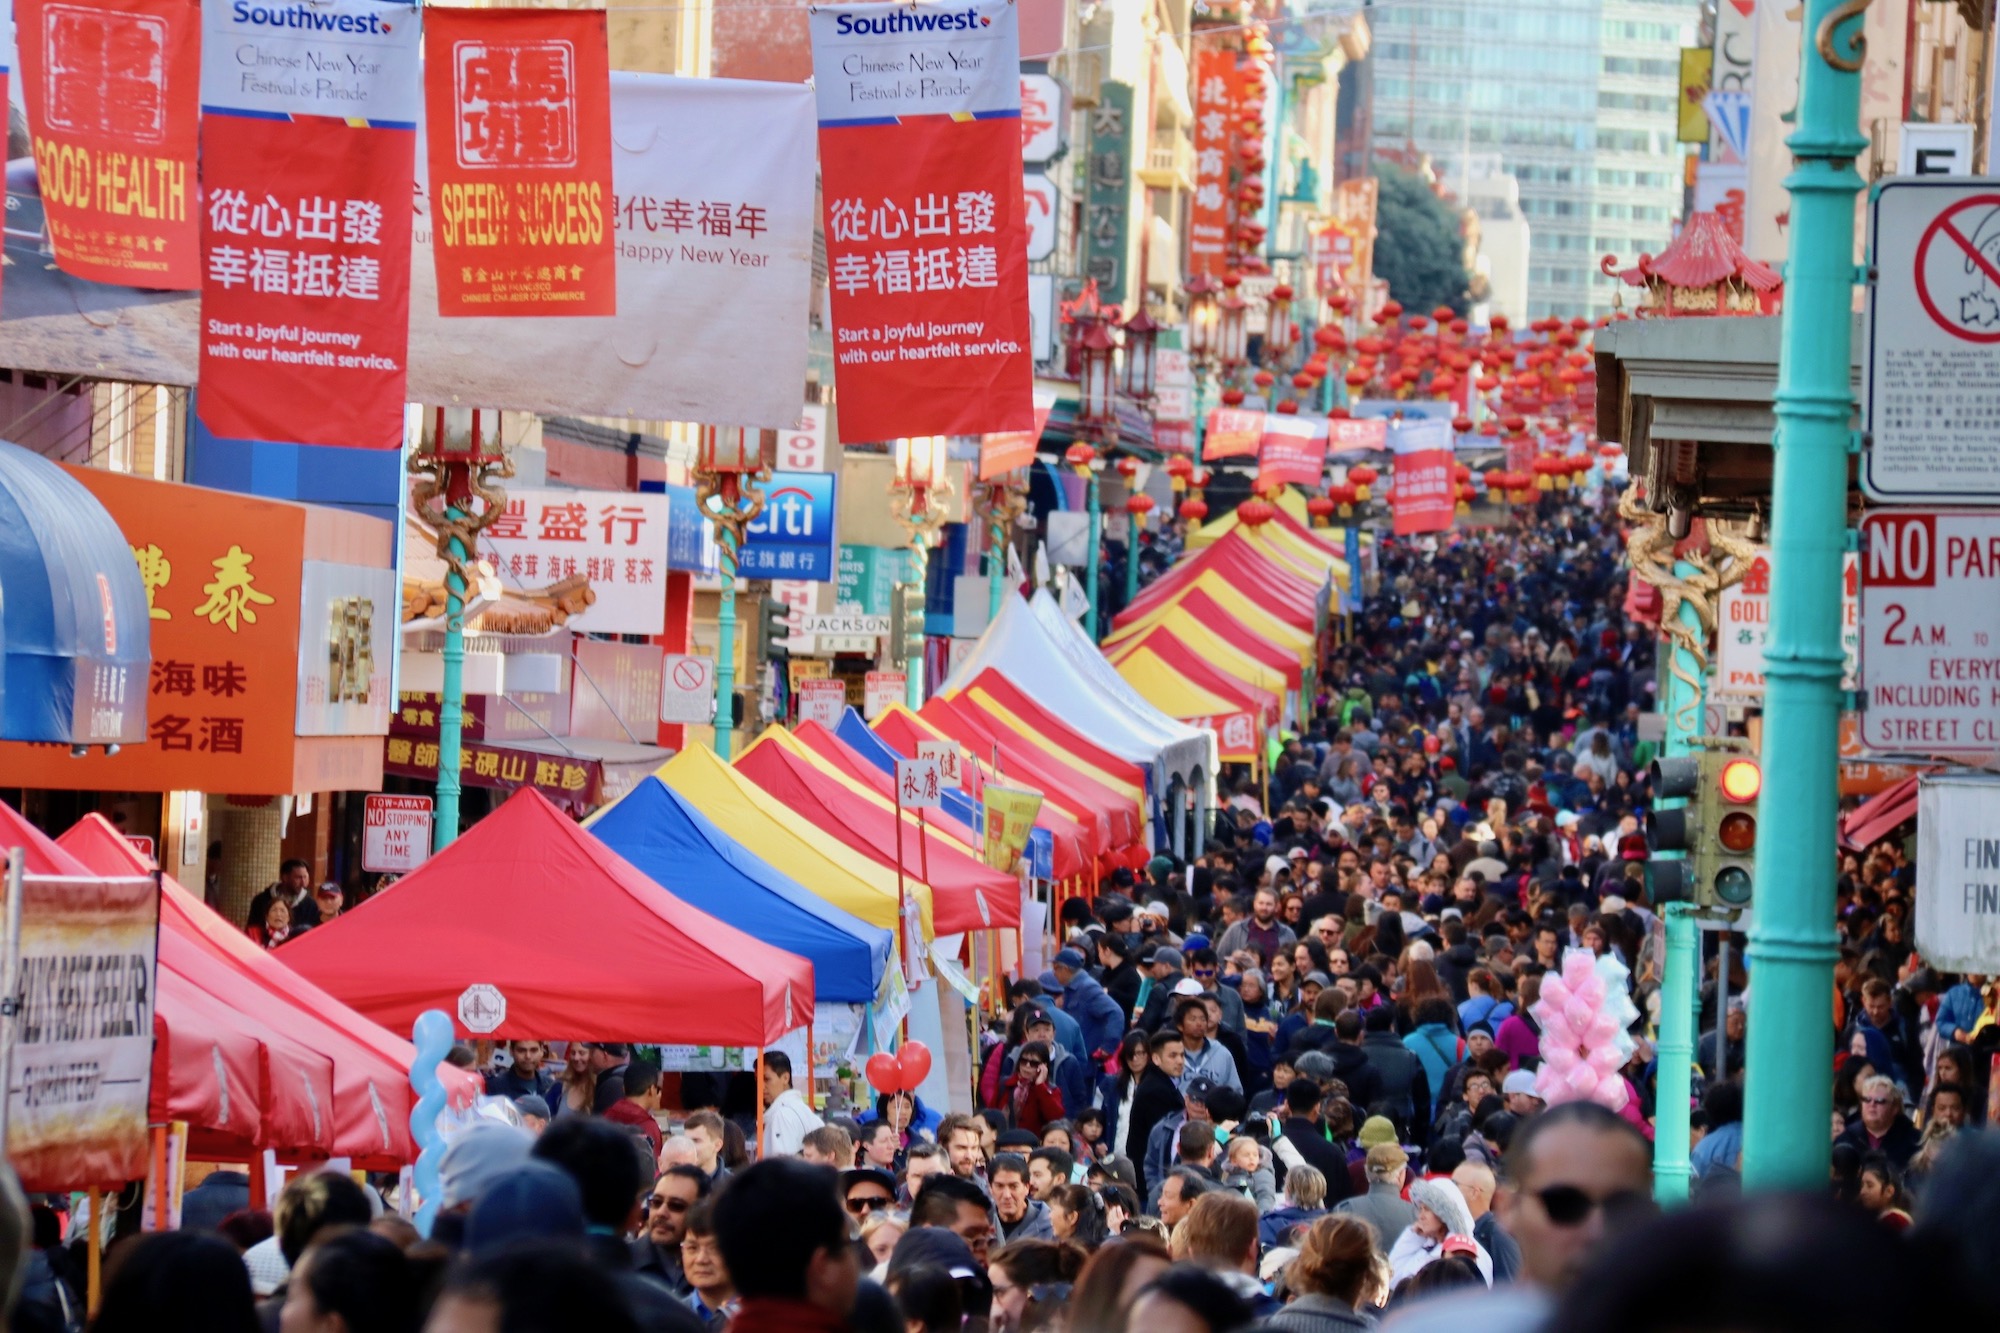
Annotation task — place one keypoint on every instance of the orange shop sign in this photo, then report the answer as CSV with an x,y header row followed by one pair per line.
x,y
224,575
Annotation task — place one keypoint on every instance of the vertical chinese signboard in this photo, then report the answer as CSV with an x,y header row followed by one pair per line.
x,y
1422,494
112,93
920,168
610,545
1107,198
517,106
305,227
1215,95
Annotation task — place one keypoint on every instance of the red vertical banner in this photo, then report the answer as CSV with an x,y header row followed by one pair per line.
x,y
305,222
112,90
1421,494
517,107
1215,97
1292,451
926,237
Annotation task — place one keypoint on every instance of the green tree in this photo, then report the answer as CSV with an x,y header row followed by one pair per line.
x,y
1419,249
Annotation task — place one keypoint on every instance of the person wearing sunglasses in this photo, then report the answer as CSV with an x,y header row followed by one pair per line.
x,y
867,1190
658,1252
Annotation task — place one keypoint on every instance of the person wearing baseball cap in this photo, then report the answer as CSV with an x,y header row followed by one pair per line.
x,y
1519,1092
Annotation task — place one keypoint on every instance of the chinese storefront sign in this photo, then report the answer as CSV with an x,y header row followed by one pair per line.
x,y
1217,92
517,106
1107,202
1044,118
1292,451
712,221
1743,621
223,575
920,161
1421,495
395,833
793,537
1235,735
347,636
573,782
305,227
1232,432
83,1040
112,93
613,542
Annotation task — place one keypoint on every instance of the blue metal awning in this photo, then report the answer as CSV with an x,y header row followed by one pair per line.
x,y
75,635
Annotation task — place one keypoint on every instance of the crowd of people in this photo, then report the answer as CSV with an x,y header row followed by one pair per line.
x,y
1288,1085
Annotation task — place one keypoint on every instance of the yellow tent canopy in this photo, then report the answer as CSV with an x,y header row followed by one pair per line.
x,y
1212,648
1259,621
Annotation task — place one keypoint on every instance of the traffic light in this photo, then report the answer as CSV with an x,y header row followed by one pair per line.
x,y
906,622
1716,830
773,630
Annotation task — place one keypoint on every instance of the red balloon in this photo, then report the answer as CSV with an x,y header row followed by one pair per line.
x,y
914,1063
882,1072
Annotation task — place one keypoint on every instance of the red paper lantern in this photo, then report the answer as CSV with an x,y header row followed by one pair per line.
x,y
1256,512
1194,510
1321,509
1140,504
1232,397
1080,456
1462,425
1288,407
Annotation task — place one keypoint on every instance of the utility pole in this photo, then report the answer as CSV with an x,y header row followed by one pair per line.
x,y
1788,1095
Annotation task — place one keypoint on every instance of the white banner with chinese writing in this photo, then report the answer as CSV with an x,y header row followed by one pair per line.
x,y
612,543
713,182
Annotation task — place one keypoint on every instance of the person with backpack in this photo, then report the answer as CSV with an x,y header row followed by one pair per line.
x,y
1436,1044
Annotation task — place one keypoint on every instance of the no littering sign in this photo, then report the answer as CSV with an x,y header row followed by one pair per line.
x,y
1931,378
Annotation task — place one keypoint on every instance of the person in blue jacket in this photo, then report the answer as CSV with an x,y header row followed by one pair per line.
x,y
1084,1000
906,1111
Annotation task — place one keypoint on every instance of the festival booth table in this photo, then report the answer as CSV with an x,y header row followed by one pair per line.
x,y
664,837
1075,834
855,883
528,927
369,1096
1046,656
924,854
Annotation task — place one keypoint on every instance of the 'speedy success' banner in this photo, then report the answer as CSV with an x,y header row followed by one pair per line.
x,y
1422,494
518,107
920,163
308,141
112,93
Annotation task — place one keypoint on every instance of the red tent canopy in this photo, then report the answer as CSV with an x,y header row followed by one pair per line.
x,y
1249,570
1078,834
966,893
1215,616
368,1112
1197,671
1879,816
576,942
1112,816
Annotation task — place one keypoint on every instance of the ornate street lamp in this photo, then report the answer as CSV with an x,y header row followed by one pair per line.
x,y
730,463
1202,293
1278,340
459,456
1232,344
1141,370
919,491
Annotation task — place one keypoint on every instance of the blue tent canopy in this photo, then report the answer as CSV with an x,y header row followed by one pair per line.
x,y
676,846
75,634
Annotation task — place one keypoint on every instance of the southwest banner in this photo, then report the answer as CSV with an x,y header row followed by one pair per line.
x,y
926,240
113,99
305,227
1422,495
1292,451
1233,432
517,107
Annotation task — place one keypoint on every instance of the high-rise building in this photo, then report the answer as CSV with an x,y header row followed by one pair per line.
x,y
1577,97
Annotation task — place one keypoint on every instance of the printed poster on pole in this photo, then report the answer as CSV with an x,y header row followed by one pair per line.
x,y
517,103
1421,495
920,167
112,91
305,228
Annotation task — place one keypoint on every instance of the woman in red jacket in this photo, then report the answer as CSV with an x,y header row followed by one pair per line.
x,y
1031,1102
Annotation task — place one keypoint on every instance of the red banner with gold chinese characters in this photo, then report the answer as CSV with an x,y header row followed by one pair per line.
x,y
517,106
112,89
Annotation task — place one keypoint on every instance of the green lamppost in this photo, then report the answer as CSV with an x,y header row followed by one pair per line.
x,y
918,493
1139,381
1788,1097
1097,415
730,464
459,455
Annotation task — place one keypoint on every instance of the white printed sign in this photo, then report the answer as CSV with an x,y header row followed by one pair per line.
x,y
802,447
919,785
1930,631
614,541
822,701
950,759
1958,872
881,691
395,833
687,689
261,58
1743,622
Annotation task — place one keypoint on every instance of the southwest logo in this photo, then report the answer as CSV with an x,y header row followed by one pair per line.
x,y
902,21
